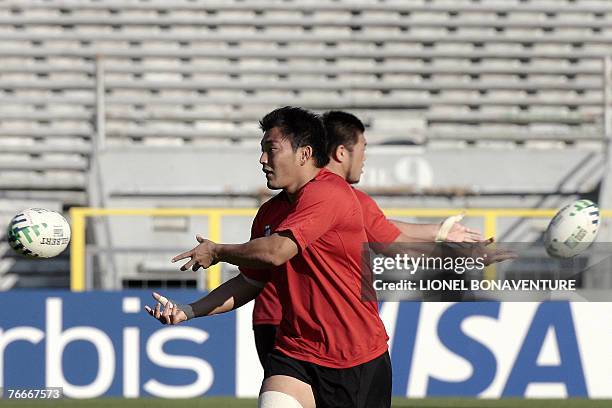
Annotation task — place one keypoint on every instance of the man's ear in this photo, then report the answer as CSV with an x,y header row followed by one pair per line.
x,y
305,154
339,153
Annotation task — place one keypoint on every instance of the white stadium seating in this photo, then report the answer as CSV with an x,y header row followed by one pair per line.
x,y
185,71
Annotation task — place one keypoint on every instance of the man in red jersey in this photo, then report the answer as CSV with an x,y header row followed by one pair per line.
x,y
346,149
331,346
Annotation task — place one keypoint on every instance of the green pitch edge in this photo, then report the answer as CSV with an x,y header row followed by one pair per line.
x,y
251,403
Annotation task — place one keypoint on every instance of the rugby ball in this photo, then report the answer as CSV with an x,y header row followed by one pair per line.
x,y
38,233
572,229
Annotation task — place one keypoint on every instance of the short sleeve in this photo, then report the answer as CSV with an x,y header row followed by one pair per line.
x,y
252,274
378,227
320,205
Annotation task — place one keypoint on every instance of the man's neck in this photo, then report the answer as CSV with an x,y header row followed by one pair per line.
x,y
335,168
307,175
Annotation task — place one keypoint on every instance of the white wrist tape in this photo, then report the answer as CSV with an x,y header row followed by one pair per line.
x,y
276,399
446,226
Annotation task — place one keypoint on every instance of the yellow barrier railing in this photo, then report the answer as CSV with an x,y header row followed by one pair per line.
x,y
78,216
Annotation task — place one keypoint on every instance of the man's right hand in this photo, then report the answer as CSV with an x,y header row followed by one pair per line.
x,y
202,256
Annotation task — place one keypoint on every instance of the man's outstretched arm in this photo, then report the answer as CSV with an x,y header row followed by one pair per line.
x,y
259,253
416,232
229,296
449,230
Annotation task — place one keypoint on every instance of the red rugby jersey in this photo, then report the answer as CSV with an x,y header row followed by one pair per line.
x,y
324,320
267,309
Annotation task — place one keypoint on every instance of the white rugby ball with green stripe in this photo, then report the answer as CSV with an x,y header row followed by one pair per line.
x,y
38,233
572,229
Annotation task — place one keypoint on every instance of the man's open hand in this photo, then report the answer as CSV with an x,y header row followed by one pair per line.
x,y
171,313
461,233
202,256
451,230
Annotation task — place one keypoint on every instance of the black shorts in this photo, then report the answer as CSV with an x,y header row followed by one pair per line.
x,y
265,337
367,385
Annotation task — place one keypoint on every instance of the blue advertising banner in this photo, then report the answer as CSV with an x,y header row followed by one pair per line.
x,y
104,343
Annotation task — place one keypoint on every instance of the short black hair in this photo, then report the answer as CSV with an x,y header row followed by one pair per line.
x,y
302,128
342,128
